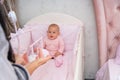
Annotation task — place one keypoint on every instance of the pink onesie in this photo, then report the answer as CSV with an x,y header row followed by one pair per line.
x,y
53,46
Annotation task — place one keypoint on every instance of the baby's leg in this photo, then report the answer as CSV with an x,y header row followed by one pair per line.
x,y
59,61
39,53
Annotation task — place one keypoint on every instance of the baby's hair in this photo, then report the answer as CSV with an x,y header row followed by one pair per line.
x,y
54,25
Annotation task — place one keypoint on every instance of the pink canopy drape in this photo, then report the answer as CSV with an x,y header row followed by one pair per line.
x,y
108,27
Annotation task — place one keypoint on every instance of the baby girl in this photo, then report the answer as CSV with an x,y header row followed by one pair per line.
x,y
54,44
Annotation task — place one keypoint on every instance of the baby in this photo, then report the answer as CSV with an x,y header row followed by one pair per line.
x,y
54,44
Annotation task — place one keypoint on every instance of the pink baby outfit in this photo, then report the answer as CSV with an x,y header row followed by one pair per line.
x,y
53,46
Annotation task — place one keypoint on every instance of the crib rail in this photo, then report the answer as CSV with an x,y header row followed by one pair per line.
x,y
79,70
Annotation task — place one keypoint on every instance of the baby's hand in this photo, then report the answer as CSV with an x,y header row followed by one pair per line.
x,y
58,53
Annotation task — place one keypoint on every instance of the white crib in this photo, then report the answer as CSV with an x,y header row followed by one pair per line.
x,y
31,27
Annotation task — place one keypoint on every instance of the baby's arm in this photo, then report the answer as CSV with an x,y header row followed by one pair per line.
x,y
61,47
44,43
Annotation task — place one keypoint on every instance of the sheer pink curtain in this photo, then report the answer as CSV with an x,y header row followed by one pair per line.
x,y
108,27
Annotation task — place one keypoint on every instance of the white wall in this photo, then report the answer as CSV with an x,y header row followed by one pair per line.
x,y
81,9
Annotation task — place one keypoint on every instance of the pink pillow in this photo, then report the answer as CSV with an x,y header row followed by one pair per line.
x,y
70,34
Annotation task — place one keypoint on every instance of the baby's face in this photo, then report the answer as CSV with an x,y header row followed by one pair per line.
x,y
52,33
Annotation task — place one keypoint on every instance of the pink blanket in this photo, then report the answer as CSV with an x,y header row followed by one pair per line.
x,y
50,72
111,69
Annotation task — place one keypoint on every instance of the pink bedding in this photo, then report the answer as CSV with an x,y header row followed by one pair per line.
x,y
111,69
50,72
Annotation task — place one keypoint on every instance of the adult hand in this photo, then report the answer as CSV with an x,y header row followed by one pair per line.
x,y
36,63
20,60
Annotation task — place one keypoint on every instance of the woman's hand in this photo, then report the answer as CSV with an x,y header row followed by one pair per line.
x,y
20,60
36,63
